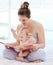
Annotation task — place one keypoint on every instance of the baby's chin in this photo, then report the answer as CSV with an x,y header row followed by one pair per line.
x,y
25,26
23,40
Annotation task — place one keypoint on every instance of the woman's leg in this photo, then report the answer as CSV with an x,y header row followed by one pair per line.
x,y
22,54
9,54
36,55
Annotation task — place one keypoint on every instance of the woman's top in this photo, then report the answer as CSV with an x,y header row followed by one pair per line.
x,y
35,34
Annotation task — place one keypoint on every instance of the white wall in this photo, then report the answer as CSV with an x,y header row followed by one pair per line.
x,y
41,10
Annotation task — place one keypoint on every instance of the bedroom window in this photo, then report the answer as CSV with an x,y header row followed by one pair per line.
x,y
4,19
41,10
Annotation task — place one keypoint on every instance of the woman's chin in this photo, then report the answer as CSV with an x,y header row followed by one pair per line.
x,y
24,26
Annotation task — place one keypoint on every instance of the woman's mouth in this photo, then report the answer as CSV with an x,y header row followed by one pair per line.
x,y
23,23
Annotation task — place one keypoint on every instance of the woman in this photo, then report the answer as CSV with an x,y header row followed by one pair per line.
x,y
38,33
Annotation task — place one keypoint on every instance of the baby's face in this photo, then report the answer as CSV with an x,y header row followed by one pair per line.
x,y
29,35
22,37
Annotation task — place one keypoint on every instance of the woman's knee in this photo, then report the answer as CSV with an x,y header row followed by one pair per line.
x,y
35,55
9,54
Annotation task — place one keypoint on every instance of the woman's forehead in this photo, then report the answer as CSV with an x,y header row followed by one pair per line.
x,y
22,17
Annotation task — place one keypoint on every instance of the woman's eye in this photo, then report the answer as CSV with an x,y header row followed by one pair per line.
x,y
23,20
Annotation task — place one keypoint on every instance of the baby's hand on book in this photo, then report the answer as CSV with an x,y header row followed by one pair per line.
x,y
17,47
29,45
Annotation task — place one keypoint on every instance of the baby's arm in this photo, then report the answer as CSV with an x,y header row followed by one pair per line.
x,y
30,41
15,32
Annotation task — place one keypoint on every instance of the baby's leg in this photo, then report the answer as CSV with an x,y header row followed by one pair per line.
x,y
21,55
24,53
19,58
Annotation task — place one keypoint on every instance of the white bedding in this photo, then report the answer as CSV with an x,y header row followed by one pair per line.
x,y
13,62
48,49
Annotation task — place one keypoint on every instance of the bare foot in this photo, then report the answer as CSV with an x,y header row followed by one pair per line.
x,y
36,61
19,58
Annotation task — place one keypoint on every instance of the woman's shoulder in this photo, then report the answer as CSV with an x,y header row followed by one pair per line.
x,y
37,25
32,23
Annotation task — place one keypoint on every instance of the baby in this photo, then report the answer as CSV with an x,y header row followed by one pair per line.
x,y
26,41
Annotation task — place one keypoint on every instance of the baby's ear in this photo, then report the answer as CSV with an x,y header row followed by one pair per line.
x,y
29,35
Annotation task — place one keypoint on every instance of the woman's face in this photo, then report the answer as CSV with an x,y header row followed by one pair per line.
x,y
24,20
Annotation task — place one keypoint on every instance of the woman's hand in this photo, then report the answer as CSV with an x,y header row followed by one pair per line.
x,y
38,46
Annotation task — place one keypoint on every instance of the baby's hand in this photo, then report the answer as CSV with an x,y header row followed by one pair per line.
x,y
18,47
12,30
14,33
28,45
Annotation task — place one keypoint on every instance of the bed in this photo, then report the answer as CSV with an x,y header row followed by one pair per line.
x,y
48,50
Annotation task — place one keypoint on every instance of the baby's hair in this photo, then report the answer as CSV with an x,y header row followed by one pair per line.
x,y
24,10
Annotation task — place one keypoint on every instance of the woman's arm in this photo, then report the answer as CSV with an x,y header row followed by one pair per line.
x,y
41,37
11,45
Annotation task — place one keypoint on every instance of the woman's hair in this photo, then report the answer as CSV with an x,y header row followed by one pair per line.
x,y
24,10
